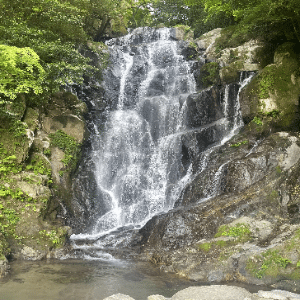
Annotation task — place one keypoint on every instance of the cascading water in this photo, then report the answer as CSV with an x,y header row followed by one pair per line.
x,y
137,157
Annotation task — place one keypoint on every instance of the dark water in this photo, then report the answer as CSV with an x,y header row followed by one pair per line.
x,y
79,279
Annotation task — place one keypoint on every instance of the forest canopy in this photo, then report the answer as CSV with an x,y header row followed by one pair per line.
x,y
40,39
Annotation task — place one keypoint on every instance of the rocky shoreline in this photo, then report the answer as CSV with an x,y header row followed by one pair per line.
x,y
218,292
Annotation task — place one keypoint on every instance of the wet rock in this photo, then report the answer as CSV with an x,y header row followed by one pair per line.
x,y
183,241
204,107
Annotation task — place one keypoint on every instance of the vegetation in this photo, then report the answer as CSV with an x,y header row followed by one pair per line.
x,y
240,231
68,144
268,264
236,145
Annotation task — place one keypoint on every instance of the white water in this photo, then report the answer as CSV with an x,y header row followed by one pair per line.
x,y
138,155
137,159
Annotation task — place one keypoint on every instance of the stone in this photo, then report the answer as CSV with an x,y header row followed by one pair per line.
x,y
118,297
213,292
204,107
259,228
292,155
57,155
208,39
157,297
70,124
29,253
245,54
181,34
4,267
286,294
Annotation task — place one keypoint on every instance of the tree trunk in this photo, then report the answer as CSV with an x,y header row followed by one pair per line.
x,y
100,32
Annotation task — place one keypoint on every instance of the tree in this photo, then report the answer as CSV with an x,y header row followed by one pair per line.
x,y
53,30
20,72
106,15
257,15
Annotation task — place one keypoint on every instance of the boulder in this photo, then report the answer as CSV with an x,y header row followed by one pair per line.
x,y
214,292
118,297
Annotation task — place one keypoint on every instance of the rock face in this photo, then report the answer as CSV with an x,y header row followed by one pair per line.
x,y
239,215
34,156
255,183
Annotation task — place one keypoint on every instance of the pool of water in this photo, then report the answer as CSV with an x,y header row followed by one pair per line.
x,y
82,279
79,279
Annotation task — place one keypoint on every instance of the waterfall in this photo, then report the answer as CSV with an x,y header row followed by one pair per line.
x,y
141,153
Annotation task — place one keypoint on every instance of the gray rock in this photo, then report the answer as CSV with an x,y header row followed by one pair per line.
x,y
214,292
157,297
29,253
278,294
118,297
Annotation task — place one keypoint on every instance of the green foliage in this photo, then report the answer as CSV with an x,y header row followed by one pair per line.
x,y
68,144
52,236
8,220
268,264
256,120
41,39
205,246
39,166
20,72
239,144
257,15
211,73
240,231
18,129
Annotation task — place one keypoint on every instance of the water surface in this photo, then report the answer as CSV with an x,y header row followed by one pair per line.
x,y
79,279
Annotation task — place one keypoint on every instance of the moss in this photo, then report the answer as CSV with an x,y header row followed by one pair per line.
x,y
31,118
186,28
4,247
271,263
69,145
14,141
205,247
39,165
232,36
53,238
188,33
240,231
236,145
210,74
275,83
230,73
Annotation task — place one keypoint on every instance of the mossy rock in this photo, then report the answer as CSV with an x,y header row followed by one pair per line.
x,y
65,102
4,247
276,87
16,142
31,118
285,52
231,73
209,75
